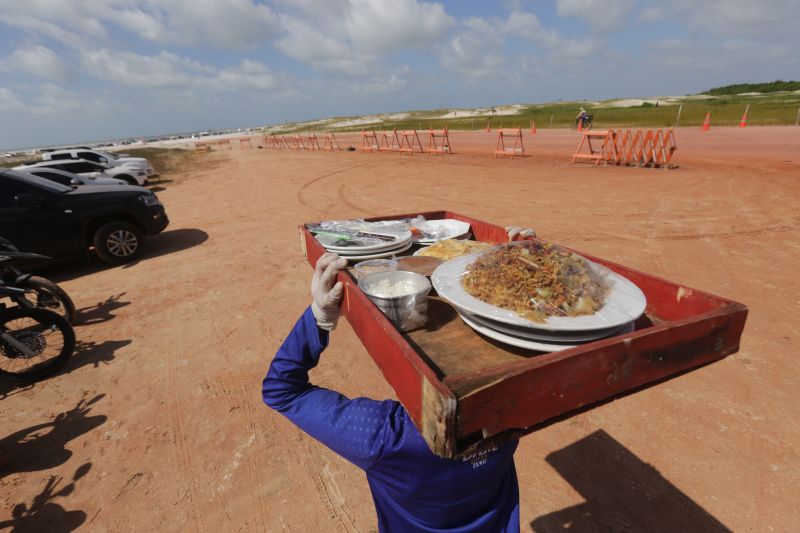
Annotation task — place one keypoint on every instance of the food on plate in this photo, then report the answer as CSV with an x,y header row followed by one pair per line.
x,y
450,248
420,265
536,280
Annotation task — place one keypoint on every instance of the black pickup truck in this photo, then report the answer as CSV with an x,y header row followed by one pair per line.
x,y
59,221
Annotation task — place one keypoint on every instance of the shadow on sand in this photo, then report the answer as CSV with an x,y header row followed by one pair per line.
x,y
43,514
621,493
167,242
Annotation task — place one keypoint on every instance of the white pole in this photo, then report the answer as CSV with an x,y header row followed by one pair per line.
x,y
797,120
678,119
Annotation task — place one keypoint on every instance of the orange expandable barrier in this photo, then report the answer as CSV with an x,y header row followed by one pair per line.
x,y
297,143
312,143
369,142
245,142
648,148
390,142
329,143
410,143
518,149
439,142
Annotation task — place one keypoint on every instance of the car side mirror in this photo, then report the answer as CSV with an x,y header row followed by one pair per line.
x,y
74,182
28,200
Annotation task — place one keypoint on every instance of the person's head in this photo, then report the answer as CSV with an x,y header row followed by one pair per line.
x,y
583,110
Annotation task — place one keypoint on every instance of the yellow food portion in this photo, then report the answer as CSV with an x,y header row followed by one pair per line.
x,y
450,248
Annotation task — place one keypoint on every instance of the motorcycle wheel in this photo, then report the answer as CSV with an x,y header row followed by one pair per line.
x,y
34,343
51,297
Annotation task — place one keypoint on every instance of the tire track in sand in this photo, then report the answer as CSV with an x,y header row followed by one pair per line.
x,y
184,457
301,192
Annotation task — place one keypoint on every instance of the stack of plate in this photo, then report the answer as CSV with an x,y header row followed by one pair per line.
x,y
354,251
623,305
437,230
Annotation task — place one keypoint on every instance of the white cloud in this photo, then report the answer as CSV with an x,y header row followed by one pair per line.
x,y
603,16
9,101
39,61
651,14
766,19
475,52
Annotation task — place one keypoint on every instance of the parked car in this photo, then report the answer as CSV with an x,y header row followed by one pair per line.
x,y
101,156
68,178
130,175
41,216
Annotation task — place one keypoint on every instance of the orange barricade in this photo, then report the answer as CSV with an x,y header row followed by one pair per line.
x,y
502,150
245,142
410,143
329,143
369,142
594,153
272,142
297,143
648,148
439,142
221,142
389,141
201,147
312,142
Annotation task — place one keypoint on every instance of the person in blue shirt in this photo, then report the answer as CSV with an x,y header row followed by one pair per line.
x,y
413,489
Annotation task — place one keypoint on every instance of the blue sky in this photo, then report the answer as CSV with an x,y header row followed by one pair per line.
x,y
79,70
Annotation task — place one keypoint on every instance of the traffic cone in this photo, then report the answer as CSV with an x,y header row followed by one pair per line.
x,y
743,122
580,125
533,127
706,123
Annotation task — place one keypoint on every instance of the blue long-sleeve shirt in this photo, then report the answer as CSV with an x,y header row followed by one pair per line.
x,y
413,489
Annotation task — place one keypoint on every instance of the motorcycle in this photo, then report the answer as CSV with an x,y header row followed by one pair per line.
x,y
34,342
37,291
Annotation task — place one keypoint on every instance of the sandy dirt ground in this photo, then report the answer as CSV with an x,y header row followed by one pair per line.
x,y
157,423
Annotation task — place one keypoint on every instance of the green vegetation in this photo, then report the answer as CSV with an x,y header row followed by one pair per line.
x,y
771,87
765,110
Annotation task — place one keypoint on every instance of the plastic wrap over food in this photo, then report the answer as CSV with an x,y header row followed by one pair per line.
x,y
537,280
360,233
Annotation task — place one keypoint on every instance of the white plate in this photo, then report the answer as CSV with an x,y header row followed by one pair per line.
x,y
527,343
379,255
400,239
544,335
347,252
624,303
455,228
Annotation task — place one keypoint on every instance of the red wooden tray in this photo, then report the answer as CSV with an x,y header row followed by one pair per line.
x,y
465,392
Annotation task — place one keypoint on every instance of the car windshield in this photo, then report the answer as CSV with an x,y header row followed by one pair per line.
x,y
108,154
37,181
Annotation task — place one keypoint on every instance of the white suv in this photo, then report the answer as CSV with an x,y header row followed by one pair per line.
x,y
101,156
132,175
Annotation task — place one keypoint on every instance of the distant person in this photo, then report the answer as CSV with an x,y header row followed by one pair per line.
x,y
413,489
581,118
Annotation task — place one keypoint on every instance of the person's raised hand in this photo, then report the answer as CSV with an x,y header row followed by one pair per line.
x,y
523,233
326,291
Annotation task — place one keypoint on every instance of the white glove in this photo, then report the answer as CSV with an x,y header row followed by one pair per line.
x,y
325,294
524,233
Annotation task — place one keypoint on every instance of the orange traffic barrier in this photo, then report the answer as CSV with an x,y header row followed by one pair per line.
x,y
297,143
593,153
283,142
201,147
533,127
410,143
245,142
329,143
439,142
369,142
272,142
312,143
389,142
226,142
706,123
650,148
518,149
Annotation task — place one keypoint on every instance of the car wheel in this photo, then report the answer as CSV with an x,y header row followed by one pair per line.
x,y
130,180
118,242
